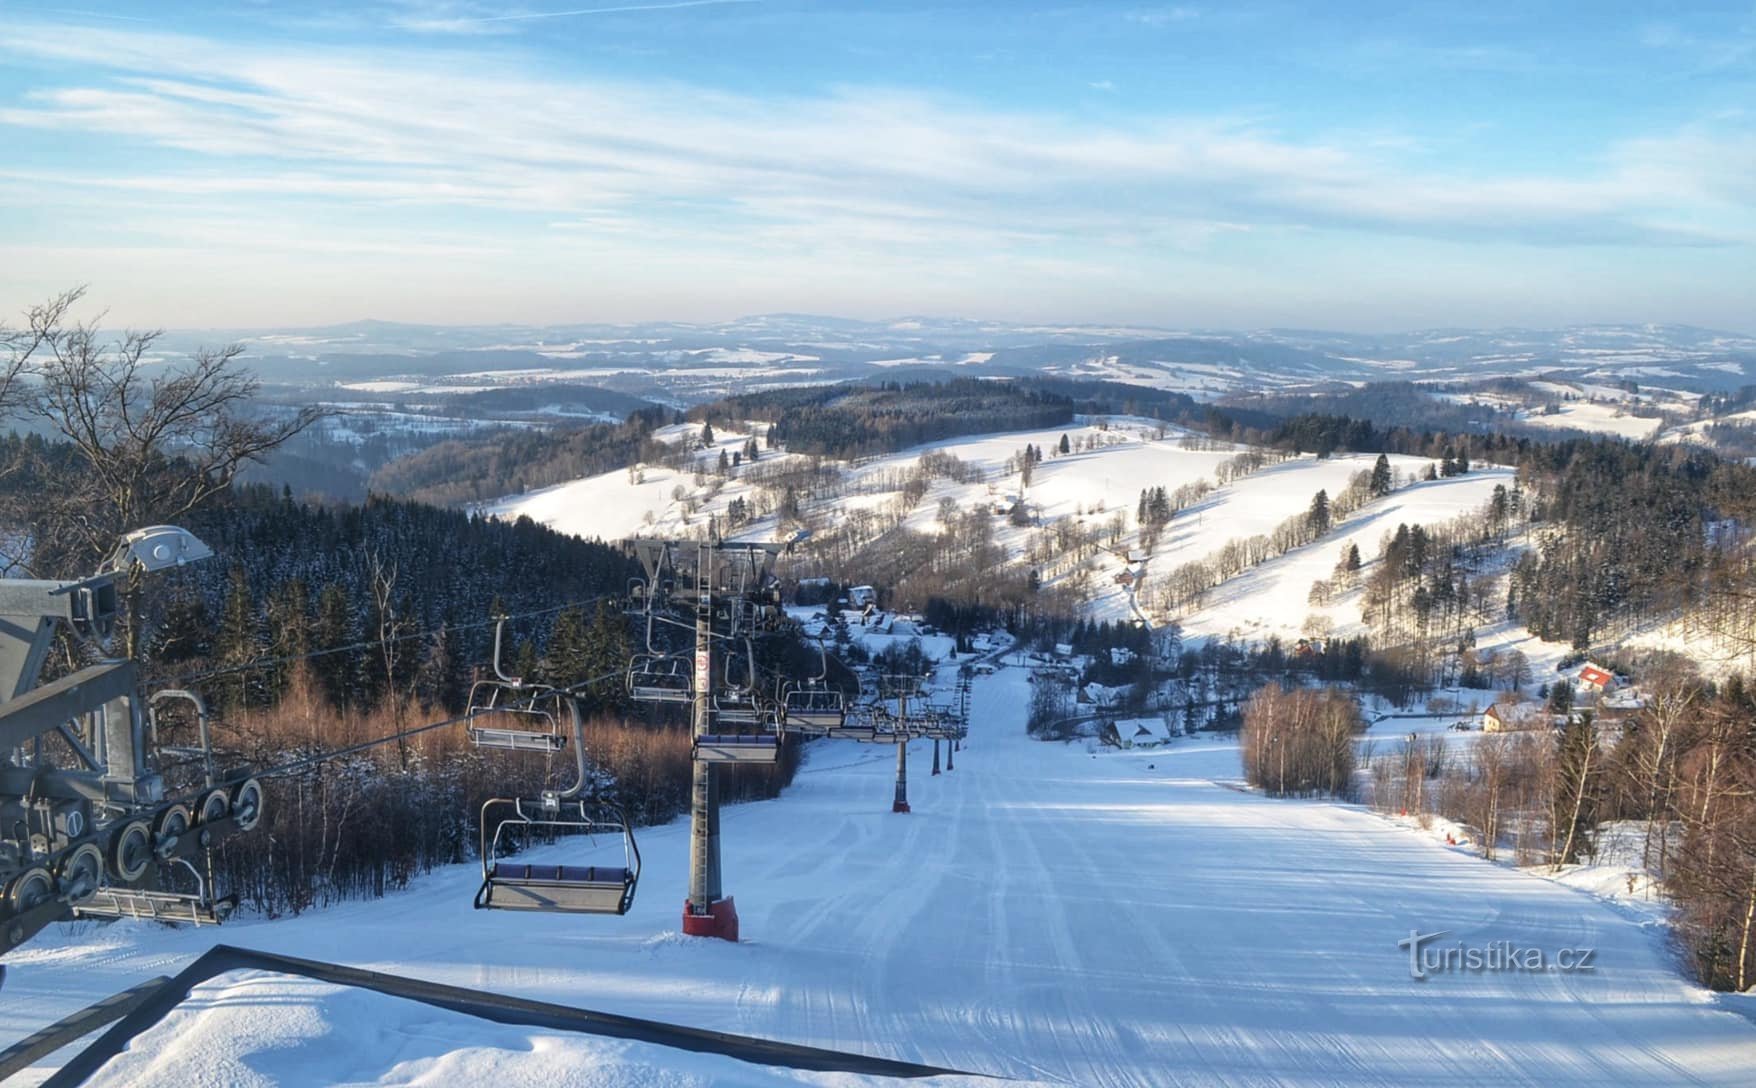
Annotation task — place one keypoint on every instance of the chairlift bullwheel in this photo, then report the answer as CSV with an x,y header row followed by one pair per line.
x,y
171,825
215,805
247,805
131,851
30,889
81,872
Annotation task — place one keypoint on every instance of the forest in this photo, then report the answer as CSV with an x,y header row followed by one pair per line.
x,y
846,422
478,469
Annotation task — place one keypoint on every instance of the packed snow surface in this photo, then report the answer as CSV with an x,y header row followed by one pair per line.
x,y
1045,913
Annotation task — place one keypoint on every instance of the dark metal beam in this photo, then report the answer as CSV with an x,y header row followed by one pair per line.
x,y
40,710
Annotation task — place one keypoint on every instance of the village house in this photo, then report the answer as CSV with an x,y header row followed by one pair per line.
x,y
1507,716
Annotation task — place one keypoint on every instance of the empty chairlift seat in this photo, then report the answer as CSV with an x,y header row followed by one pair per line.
x,y
738,708
660,679
572,889
738,748
525,718
511,883
814,710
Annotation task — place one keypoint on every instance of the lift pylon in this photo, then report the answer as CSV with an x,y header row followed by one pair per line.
x,y
732,593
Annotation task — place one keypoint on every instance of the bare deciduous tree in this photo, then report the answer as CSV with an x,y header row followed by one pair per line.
x,y
153,441
18,347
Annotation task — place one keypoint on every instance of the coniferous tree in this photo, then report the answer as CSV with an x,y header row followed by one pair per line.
x,y
1381,477
604,653
238,643
334,627
1317,518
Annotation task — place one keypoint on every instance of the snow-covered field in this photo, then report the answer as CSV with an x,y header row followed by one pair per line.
x,y
1597,417
1045,913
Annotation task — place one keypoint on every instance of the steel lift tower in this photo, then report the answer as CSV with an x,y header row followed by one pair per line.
x,y
732,594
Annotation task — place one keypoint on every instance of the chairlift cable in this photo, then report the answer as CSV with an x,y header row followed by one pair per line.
x,y
426,727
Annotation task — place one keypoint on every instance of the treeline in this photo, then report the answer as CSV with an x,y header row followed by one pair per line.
x,y
511,462
858,421
291,576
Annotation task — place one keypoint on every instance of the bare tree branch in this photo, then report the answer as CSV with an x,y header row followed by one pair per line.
x,y
153,441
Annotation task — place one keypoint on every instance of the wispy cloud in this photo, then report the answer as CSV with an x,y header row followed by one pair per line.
x,y
409,129
321,150
1163,16
449,17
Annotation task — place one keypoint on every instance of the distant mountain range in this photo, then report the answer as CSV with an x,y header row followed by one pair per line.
x,y
683,363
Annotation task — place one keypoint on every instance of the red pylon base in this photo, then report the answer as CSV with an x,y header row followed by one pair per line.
x,y
899,806
721,920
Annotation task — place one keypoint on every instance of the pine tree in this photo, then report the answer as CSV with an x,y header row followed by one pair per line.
x,y
435,682
1381,478
1317,518
334,627
237,643
1066,446
290,628
604,655
706,435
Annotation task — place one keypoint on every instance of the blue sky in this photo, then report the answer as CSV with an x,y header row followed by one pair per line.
x,y
1380,167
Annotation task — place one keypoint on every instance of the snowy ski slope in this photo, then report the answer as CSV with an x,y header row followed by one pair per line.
x,y
1044,914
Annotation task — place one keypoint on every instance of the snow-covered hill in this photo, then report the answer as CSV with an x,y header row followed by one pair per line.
x,y
1095,488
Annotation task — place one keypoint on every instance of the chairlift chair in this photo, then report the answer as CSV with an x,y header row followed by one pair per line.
x,y
554,888
198,908
744,730
570,889
763,747
812,708
738,708
529,712
660,678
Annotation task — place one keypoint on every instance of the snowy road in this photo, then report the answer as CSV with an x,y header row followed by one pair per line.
x,y
1043,914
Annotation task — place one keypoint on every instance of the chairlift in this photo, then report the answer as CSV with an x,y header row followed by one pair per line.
x,y
737,702
530,713
859,722
735,706
554,888
738,747
660,678
560,888
813,706
197,908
